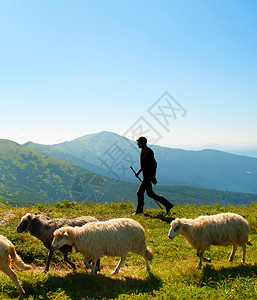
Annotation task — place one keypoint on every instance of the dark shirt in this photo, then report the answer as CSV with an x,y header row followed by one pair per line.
x,y
148,163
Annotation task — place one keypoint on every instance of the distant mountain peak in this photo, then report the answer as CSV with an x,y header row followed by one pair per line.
x,y
28,144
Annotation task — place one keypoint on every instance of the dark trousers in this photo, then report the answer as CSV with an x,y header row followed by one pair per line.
x,y
146,186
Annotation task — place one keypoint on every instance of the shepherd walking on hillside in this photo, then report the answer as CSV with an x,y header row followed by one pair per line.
x,y
148,166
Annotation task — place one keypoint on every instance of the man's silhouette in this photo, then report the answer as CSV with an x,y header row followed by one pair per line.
x,y
148,166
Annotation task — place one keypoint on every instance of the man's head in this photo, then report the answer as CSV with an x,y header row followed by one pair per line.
x,y
141,142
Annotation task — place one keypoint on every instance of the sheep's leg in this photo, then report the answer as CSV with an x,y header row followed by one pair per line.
x,y
86,262
50,254
93,267
116,271
147,264
69,262
97,268
232,255
200,255
243,257
207,259
5,267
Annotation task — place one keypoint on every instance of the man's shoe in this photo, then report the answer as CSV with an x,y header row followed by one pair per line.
x,y
136,213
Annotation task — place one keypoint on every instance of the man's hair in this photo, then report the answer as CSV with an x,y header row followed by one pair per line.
x,y
142,139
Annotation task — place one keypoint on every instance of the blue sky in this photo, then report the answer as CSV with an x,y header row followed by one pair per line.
x,y
70,68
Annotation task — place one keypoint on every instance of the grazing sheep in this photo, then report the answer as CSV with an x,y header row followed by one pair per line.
x,y
115,237
7,251
221,230
43,228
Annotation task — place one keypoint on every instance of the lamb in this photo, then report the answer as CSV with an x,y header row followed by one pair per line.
x,y
114,237
7,251
43,228
221,230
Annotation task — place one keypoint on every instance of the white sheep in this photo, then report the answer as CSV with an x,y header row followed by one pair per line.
x,y
221,230
7,251
114,237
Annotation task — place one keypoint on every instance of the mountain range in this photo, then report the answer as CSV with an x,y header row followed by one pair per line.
x,y
92,168
111,155
245,150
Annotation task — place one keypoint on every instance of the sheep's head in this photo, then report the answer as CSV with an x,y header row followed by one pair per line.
x,y
176,227
25,223
61,238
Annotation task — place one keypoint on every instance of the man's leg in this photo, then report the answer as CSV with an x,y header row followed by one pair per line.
x,y
161,199
140,198
165,202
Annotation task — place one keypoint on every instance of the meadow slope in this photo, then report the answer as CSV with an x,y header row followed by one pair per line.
x,y
173,274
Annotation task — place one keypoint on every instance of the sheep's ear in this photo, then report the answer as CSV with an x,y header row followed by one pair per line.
x,y
172,222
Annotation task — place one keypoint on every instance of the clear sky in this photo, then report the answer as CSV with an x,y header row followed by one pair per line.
x,y
70,68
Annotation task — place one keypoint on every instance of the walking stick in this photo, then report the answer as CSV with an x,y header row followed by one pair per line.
x,y
141,181
135,173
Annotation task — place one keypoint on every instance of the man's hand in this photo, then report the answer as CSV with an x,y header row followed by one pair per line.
x,y
137,173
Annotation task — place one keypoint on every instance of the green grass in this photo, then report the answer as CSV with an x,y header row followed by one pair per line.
x,y
173,274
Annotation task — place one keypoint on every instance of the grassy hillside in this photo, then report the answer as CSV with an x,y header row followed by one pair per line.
x,y
173,274
29,177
